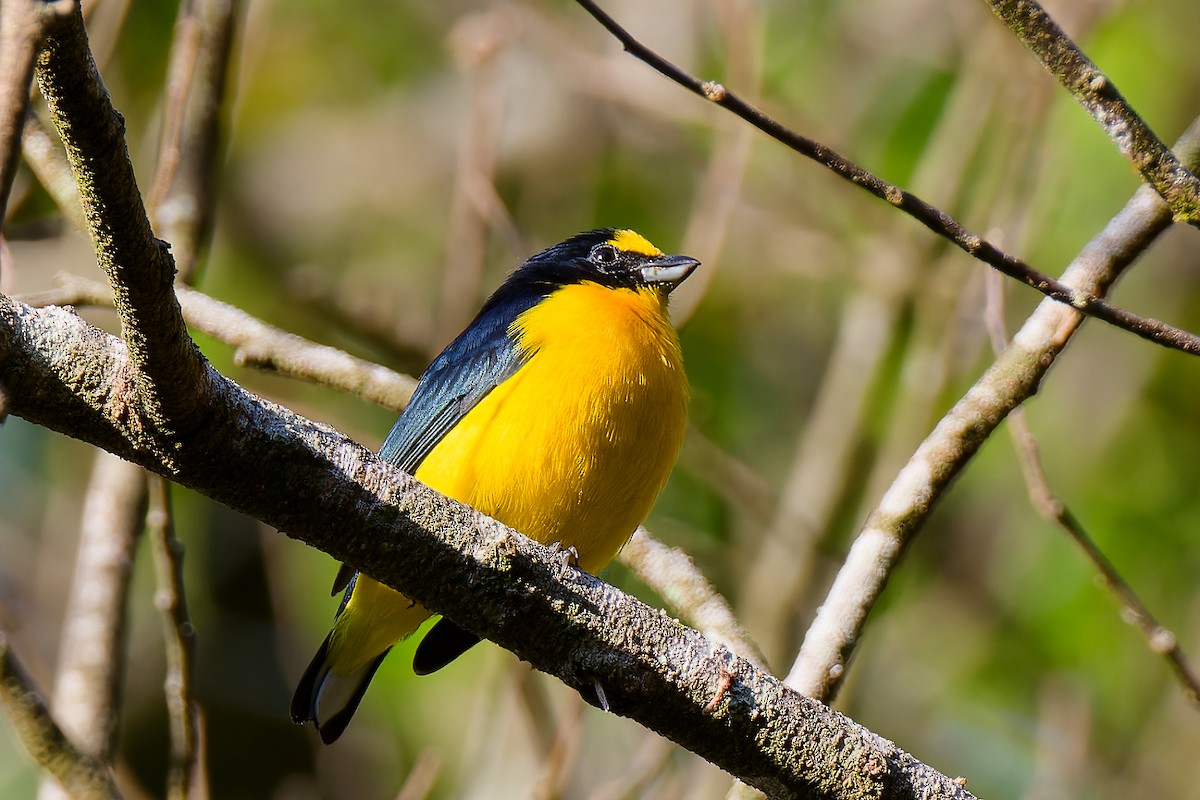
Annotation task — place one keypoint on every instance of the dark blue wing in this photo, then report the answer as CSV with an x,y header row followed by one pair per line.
x,y
480,359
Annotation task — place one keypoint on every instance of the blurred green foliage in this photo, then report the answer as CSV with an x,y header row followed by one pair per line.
x,y
995,655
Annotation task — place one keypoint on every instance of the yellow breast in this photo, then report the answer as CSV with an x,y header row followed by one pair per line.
x,y
576,446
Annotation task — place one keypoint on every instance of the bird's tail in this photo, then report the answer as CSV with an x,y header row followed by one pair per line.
x,y
328,700
371,619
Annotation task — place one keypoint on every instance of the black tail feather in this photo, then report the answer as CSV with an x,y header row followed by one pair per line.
x,y
444,643
307,699
333,727
304,699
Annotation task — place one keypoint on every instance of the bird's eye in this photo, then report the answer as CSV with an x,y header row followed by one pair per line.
x,y
604,254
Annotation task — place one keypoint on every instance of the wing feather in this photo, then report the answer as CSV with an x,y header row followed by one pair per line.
x,y
480,359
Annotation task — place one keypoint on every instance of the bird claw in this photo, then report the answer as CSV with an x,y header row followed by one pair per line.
x,y
567,558
601,698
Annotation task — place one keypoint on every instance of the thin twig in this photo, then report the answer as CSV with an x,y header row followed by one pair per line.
x,y
930,216
1160,640
91,652
672,573
184,774
257,344
83,777
23,24
1096,92
181,200
1051,507
1013,377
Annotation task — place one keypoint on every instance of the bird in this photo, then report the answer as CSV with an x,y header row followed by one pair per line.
x,y
559,411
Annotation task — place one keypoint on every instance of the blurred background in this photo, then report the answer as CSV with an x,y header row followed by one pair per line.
x,y
385,164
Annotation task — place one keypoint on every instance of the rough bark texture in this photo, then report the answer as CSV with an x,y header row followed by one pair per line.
x,y
332,493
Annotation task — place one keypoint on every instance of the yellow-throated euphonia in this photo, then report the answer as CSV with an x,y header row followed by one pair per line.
x,y
559,411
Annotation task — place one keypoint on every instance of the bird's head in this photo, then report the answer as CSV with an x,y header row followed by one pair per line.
x,y
618,258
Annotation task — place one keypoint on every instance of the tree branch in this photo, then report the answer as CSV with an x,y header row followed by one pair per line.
x,y
930,216
91,654
1013,377
1051,507
82,776
333,494
256,344
1063,59
169,368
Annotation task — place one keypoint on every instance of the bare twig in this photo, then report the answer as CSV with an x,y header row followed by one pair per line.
x,y
1160,640
1096,92
87,686
670,572
185,775
1011,379
476,42
930,216
181,198
82,776
257,344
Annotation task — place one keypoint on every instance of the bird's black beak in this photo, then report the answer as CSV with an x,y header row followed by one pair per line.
x,y
668,271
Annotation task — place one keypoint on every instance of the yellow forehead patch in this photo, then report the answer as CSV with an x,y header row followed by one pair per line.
x,y
633,242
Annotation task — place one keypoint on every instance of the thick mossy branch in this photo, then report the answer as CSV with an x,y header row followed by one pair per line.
x,y
169,368
1096,92
332,493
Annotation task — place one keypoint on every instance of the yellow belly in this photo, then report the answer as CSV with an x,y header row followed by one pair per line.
x,y
574,448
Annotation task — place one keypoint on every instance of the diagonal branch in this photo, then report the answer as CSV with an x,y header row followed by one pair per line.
x,y
81,775
139,266
1153,160
930,216
1013,377
255,343
1052,508
333,494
